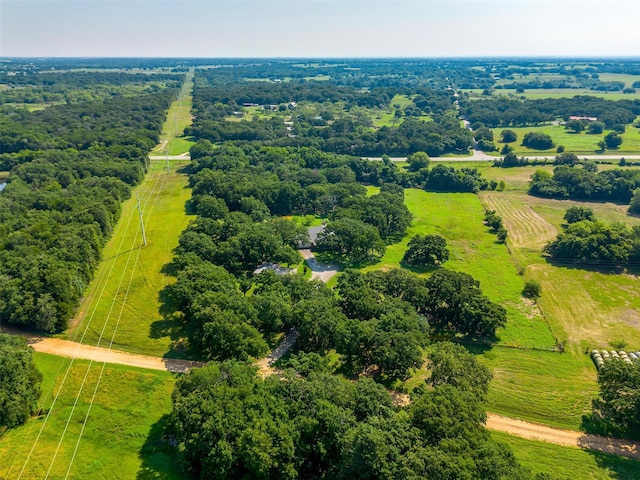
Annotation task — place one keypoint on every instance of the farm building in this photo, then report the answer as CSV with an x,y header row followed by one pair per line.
x,y
588,119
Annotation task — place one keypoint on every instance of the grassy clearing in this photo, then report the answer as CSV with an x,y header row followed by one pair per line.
x,y
603,305
122,437
547,387
568,462
458,218
125,291
179,116
33,107
534,94
578,143
619,77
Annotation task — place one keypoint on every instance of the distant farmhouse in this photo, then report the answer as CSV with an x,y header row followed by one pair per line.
x,y
588,119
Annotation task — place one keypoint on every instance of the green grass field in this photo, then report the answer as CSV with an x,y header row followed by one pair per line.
x,y
124,295
548,387
603,305
179,116
458,217
539,93
530,382
123,433
568,463
578,143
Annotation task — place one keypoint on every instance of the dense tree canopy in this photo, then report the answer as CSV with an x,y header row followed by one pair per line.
x,y
231,424
71,168
615,185
456,305
19,382
594,242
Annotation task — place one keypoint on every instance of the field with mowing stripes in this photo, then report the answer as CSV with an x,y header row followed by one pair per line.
x,y
580,308
603,305
567,462
122,305
111,431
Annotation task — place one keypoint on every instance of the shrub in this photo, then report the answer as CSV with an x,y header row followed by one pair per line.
x,y
532,289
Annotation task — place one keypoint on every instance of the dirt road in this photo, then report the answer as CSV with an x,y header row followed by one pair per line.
x,y
544,433
67,348
512,426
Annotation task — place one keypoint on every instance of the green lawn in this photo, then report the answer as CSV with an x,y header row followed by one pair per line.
x,y
578,143
458,218
123,433
125,290
569,463
179,116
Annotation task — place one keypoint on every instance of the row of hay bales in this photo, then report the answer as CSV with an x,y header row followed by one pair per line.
x,y
601,356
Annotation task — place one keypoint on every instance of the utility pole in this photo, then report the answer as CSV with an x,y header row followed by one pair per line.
x,y
166,156
144,236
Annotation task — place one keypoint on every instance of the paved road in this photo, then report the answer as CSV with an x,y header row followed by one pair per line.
x,y
476,156
479,156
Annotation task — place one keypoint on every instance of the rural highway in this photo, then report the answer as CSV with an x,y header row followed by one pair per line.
x,y
477,156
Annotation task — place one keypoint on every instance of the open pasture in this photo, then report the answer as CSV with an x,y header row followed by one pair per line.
x,y
179,116
548,387
567,462
113,430
578,143
122,304
602,306
458,217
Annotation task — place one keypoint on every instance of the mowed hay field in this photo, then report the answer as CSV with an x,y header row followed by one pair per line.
x,y
458,217
579,309
122,306
568,462
587,307
123,421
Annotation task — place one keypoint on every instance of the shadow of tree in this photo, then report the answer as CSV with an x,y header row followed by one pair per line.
x,y
599,267
171,325
158,454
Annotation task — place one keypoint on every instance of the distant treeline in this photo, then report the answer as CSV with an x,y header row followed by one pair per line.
x,y
503,112
615,185
338,135
77,87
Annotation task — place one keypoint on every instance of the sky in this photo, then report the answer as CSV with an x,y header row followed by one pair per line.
x,y
319,28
